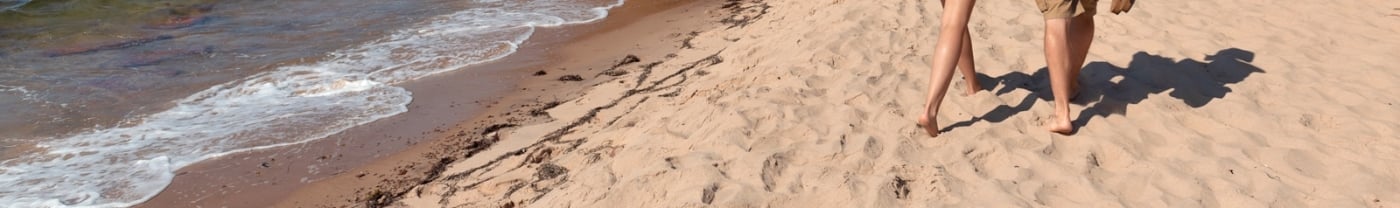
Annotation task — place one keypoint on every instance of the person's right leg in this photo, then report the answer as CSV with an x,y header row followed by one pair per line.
x,y
966,67
1057,58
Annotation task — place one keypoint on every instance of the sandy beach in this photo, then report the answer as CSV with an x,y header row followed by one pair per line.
x,y
801,103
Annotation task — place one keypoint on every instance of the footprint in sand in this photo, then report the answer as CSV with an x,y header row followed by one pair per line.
x,y
873,149
773,168
1317,122
708,194
918,183
900,187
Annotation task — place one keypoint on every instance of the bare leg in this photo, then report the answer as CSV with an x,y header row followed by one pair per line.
x,y
966,67
965,63
1057,57
945,57
1081,36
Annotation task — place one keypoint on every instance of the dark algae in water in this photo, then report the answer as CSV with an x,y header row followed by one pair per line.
x,y
155,57
74,50
180,17
60,21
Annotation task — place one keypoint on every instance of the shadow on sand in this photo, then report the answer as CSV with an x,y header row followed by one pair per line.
x,y
1109,90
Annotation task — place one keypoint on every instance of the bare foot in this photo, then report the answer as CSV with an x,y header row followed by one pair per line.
x,y
929,125
1060,125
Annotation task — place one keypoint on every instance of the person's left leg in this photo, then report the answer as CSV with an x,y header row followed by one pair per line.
x,y
945,57
966,67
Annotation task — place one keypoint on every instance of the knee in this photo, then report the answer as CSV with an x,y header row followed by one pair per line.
x,y
1058,25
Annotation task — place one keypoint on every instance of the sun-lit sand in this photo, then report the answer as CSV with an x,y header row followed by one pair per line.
x,y
812,103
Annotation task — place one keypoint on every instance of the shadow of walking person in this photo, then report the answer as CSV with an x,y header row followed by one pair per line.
x,y
1193,82
1108,90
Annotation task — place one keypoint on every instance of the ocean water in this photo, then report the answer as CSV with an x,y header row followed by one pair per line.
x,y
101,101
11,4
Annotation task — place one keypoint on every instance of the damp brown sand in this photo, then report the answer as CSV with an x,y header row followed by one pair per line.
x,y
347,168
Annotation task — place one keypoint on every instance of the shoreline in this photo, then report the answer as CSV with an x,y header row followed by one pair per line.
x,y
582,55
440,108
796,103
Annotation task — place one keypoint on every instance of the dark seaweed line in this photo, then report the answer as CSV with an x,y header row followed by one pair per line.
x,y
737,9
593,113
381,199
555,135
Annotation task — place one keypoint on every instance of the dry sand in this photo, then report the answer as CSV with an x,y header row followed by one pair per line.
x,y
811,103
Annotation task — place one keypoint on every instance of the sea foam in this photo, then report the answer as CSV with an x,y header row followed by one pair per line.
x,y
6,5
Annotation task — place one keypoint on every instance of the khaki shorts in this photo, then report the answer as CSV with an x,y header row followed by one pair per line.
x,y
1056,9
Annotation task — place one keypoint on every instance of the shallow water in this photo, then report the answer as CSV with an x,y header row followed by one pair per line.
x,y
101,100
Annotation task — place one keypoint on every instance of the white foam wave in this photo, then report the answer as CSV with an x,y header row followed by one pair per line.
x,y
125,165
24,94
6,5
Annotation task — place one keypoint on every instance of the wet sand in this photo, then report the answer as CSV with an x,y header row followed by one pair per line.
x,y
444,105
